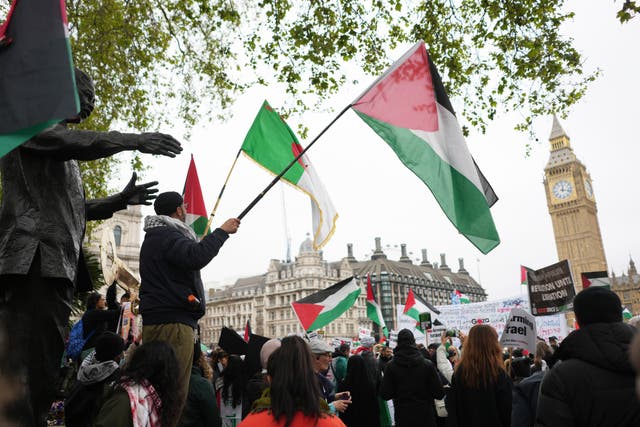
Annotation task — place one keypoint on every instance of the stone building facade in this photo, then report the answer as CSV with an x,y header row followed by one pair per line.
x,y
266,299
627,286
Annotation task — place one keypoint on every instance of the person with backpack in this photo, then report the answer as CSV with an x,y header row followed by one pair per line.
x,y
96,320
338,365
98,371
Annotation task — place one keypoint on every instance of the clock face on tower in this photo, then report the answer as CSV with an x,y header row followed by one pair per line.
x,y
562,189
588,188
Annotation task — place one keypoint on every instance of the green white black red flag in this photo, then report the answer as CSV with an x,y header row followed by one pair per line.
x,y
192,195
323,307
410,110
37,83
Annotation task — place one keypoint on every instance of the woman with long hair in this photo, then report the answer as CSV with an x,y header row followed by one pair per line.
x,y
539,363
145,395
233,384
294,398
480,392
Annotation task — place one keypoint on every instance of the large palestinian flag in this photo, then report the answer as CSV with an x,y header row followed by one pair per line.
x,y
409,108
373,309
192,195
273,145
37,83
317,310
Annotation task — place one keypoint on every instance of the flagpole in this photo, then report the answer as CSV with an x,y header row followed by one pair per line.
x,y
293,162
215,207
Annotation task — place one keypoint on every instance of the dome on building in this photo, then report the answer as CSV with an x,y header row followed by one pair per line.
x,y
307,245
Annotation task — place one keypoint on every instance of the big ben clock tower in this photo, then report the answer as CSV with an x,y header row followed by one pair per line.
x,y
572,206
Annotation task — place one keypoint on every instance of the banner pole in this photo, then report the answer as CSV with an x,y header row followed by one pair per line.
x,y
293,162
215,207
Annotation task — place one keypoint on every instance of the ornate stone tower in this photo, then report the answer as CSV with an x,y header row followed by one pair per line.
x,y
572,206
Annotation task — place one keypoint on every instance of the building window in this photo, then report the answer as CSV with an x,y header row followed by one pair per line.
x,y
117,235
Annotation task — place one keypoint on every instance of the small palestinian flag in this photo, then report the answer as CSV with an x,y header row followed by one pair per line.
x,y
37,83
323,307
626,314
595,278
459,298
416,305
247,331
410,110
523,275
196,212
373,309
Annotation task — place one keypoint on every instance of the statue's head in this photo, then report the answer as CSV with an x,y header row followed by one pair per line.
x,y
86,93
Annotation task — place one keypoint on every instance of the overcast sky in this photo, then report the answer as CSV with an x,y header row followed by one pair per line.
x,y
376,196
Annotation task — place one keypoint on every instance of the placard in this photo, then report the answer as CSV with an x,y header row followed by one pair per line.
x,y
551,289
520,331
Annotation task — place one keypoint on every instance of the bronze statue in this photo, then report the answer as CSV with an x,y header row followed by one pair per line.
x,y
42,225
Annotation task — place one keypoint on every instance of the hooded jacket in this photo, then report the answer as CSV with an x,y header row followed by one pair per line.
x,y
201,408
412,382
86,397
170,263
594,384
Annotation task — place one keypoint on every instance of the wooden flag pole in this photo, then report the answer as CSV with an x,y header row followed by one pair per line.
x,y
293,162
215,207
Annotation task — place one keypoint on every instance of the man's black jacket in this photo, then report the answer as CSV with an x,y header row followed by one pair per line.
x,y
594,385
170,264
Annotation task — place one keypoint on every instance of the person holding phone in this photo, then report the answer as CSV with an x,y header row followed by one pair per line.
x,y
321,352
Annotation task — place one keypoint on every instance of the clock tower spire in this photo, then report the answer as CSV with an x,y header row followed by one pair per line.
x,y
572,206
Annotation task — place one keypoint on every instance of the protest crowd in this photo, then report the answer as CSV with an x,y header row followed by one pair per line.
x,y
464,379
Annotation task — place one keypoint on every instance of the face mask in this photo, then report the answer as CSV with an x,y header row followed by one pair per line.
x,y
220,367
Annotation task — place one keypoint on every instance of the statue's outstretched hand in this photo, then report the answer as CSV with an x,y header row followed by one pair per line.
x,y
139,194
159,143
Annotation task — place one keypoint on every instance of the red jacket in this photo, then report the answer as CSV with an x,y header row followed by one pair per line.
x,y
265,419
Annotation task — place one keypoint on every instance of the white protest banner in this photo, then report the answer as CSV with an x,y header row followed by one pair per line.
x,y
520,331
494,313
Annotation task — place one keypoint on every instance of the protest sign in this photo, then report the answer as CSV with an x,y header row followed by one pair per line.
x,y
393,339
337,342
425,321
520,331
494,313
551,289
